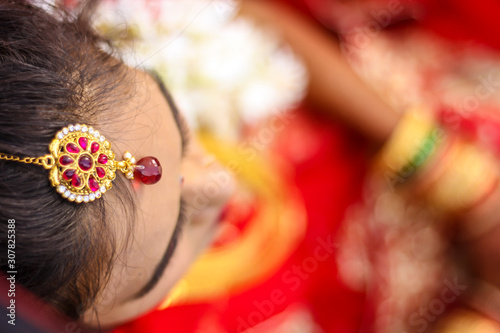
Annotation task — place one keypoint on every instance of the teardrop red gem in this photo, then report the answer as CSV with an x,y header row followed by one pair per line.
x,y
93,184
65,160
94,147
148,170
103,159
83,142
68,174
76,182
100,172
72,148
85,162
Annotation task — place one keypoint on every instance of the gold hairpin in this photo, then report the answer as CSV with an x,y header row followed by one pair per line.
x,y
82,165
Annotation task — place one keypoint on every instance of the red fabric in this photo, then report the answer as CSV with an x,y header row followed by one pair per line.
x,y
460,20
464,20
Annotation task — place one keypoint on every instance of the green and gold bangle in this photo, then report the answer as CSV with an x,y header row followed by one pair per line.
x,y
412,144
423,154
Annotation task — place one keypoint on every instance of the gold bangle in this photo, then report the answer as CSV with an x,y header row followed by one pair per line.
x,y
82,164
411,145
469,176
463,320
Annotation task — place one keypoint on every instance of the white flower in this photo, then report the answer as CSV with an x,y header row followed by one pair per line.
x,y
221,70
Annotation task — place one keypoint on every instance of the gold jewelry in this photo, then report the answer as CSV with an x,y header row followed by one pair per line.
x,y
466,174
470,175
82,165
412,144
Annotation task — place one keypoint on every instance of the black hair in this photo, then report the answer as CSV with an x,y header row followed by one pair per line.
x,y
54,72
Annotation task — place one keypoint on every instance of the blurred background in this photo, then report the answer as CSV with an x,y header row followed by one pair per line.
x,y
318,240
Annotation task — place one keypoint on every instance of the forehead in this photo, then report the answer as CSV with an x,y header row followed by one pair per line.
x,y
148,129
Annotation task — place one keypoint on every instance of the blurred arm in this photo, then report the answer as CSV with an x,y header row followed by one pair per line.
x,y
334,87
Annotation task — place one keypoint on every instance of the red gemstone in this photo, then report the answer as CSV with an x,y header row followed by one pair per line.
x,y
83,141
94,147
68,174
103,159
65,160
93,184
72,148
100,172
76,182
148,170
85,162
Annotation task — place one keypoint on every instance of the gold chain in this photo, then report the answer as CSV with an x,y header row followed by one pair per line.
x,y
46,161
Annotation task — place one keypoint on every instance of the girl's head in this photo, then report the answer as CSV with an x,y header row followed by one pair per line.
x,y
110,260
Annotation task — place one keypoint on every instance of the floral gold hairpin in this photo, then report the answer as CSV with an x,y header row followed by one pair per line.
x,y
82,165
